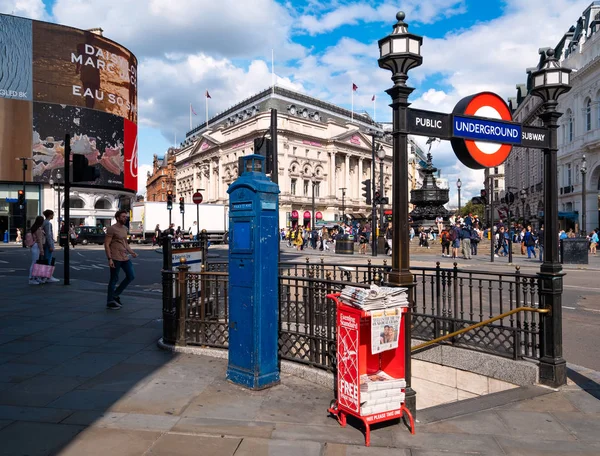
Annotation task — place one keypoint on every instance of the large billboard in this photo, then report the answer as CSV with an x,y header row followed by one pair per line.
x,y
56,80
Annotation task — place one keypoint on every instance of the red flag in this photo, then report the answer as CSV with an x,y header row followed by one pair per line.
x,y
208,94
194,112
354,87
373,99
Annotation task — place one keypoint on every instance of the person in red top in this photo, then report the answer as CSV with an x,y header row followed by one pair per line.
x,y
118,251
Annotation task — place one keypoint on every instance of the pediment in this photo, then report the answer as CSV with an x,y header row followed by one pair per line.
x,y
354,138
202,145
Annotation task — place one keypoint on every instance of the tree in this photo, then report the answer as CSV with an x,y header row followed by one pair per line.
x,y
474,209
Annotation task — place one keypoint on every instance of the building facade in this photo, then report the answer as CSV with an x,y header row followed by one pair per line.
x,y
162,177
578,134
322,148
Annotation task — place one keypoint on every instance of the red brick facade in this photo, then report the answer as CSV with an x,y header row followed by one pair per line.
x,y
162,177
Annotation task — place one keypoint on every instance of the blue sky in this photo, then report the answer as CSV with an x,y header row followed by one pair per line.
x,y
185,47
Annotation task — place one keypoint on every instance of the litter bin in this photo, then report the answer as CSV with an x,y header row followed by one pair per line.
x,y
344,246
574,251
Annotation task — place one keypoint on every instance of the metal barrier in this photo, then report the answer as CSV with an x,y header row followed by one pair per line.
x,y
445,300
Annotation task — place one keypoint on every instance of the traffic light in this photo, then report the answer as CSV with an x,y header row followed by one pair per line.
x,y
367,190
21,199
483,195
376,197
264,147
82,171
181,204
477,200
169,200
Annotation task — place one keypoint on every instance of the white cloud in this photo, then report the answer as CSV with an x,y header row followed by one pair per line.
x,y
33,9
143,171
326,18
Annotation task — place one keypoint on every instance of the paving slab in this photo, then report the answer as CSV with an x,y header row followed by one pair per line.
x,y
536,425
584,427
93,418
22,346
87,365
487,422
336,449
153,358
433,442
192,445
12,372
53,354
86,400
533,447
101,442
41,414
241,428
264,447
36,439
145,422
119,378
546,403
583,401
115,347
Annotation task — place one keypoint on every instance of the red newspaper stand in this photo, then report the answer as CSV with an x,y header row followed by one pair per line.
x,y
354,358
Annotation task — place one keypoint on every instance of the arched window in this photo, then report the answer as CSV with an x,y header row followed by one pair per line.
x,y
102,204
75,203
588,115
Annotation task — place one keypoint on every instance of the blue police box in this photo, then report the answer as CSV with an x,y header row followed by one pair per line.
x,y
253,277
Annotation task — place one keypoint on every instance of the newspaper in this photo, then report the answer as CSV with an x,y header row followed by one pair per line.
x,y
385,329
375,297
380,381
380,408
366,399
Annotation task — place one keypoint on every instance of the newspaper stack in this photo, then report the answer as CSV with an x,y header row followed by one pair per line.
x,y
380,393
375,297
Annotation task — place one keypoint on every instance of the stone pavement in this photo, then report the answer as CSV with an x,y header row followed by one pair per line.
x,y
76,379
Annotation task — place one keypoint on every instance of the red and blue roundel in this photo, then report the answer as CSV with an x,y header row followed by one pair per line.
x,y
482,130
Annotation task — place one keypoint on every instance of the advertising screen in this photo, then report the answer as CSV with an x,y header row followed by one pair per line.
x,y
56,80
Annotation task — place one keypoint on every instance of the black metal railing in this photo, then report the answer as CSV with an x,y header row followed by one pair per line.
x,y
444,300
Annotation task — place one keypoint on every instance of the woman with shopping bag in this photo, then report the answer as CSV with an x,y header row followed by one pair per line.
x,y
35,239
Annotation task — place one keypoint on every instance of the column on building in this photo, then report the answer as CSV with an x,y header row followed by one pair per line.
x,y
210,188
332,183
220,192
349,192
359,176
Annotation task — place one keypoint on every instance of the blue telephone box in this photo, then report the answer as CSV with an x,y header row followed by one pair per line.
x,y
253,277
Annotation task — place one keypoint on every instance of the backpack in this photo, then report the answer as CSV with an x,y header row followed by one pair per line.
x,y
29,241
444,237
453,234
475,236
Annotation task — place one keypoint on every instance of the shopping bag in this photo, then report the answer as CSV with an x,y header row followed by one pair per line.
x,y
42,269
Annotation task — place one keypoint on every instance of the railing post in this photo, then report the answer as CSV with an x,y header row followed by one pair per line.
x,y
169,309
182,303
204,245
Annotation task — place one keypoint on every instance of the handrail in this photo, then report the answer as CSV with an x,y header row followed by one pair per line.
x,y
477,325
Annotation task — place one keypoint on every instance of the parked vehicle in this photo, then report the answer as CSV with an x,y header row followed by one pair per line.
x,y
89,235
214,218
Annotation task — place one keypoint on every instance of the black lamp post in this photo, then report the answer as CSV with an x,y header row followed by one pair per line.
x,y
549,82
57,186
381,240
312,219
343,189
523,195
374,136
583,170
400,52
458,186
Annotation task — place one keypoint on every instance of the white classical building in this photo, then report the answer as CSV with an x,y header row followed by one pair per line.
x,y
578,135
319,144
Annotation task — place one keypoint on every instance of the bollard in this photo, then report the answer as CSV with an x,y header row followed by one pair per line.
x,y
182,302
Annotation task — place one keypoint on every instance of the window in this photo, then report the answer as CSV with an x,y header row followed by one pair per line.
x,y
588,115
293,186
162,184
577,174
294,150
569,175
306,184
495,183
102,204
570,126
317,189
496,170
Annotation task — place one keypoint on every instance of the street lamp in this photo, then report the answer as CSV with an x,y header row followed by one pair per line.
x,y
400,52
57,186
312,219
583,170
549,82
523,195
343,189
458,186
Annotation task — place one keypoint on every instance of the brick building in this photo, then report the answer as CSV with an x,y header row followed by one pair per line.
x,y
162,177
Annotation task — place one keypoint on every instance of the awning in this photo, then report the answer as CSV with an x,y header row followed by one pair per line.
x,y
357,216
564,215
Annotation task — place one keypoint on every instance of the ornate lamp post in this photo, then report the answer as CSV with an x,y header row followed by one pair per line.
x,y
57,186
583,170
549,82
400,52
458,186
381,240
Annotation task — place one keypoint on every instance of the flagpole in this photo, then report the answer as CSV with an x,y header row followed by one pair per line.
x,y
273,71
190,116
352,102
206,97
374,100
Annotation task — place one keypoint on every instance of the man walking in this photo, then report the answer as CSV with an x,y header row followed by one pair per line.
x,y
49,244
118,251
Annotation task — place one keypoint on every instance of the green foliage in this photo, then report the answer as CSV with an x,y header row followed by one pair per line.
x,y
475,209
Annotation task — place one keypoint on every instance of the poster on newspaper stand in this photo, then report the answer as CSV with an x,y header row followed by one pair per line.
x,y
385,329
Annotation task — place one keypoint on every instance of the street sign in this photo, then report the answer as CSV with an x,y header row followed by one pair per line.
x,y
535,137
429,123
487,134
197,198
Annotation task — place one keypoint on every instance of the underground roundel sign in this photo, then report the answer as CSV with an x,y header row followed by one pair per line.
x,y
482,130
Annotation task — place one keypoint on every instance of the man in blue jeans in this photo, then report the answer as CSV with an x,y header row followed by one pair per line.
x,y
117,251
